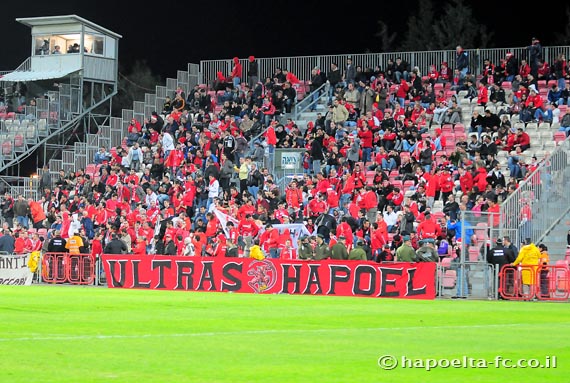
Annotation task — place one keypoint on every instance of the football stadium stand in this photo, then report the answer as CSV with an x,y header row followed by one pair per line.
x,y
392,145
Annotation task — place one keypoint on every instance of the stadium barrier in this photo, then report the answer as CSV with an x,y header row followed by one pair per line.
x,y
553,283
543,282
76,269
470,280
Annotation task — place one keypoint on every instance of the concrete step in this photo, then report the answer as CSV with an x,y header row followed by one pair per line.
x,y
556,240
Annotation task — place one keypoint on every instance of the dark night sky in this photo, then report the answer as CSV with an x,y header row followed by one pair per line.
x,y
177,32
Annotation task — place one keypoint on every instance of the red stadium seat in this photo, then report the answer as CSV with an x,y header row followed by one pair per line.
x,y
559,136
409,184
473,254
398,184
449,278
19,141
6,148
437,215
459,127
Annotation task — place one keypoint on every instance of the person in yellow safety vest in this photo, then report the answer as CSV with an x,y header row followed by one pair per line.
x,y
528,257
74,243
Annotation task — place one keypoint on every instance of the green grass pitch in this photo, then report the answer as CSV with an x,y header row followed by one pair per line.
x,y
83,334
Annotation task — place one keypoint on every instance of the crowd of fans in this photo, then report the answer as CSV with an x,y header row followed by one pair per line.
x,y
208,154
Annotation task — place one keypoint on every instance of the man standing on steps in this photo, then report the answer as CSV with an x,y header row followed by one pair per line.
x,y
314,84
252,72
349,72
271,140
316,155
334,77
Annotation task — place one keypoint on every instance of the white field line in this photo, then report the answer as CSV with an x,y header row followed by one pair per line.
x,y
43,337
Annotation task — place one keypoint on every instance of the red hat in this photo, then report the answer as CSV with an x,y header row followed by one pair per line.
x,y
375,105
444,63
251,58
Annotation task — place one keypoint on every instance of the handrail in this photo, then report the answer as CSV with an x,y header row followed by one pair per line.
x,y
300,107
532,195
61,130
25,66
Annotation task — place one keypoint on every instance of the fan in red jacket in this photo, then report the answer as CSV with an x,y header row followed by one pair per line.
x,y
396,196
247,226
294,196
269,239
270,136
317,206
344,229
236,70
432,74
480,179
465,180
446,183
428,228
522,140
482,94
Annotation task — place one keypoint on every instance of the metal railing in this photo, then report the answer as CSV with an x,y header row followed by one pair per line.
x,y
301,65
310,102
541,200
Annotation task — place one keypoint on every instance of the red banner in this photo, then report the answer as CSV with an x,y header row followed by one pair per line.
x,y
246,275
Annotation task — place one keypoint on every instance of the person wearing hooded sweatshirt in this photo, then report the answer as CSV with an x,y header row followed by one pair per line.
x,y
252,72
236,72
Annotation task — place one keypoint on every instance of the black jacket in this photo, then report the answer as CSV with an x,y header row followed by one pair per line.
x,y
499,256
57,245
252,69
317,151
255,179
116,246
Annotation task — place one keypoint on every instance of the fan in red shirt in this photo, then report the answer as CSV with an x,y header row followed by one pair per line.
x,y
395,196
465,180
428,228
432,74
444,72
344,229
287,251
482,94
269,240
522,140
446,183
317,206
247,226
